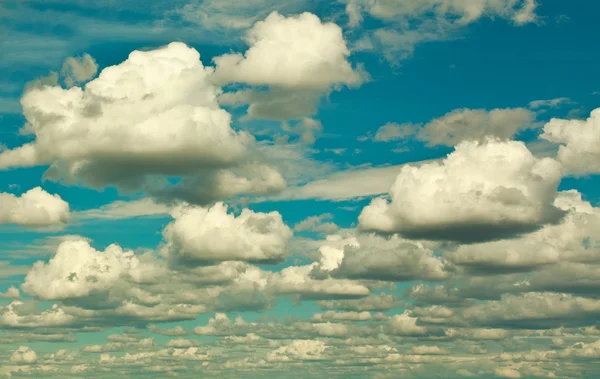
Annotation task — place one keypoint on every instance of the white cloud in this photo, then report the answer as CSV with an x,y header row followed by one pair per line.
x,y
579,141
481,191
23,354
550,103
113,131
377,258
293,52
305,350
572,240
35,207
126,209
77,269
212,235
11,293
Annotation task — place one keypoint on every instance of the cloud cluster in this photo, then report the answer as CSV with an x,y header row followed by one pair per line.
x,y
481,191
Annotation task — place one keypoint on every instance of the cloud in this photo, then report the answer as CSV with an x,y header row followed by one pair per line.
x,y
297,52
299,58
11,293
481,191
122,209
303,350
410,23
579,141
376,258
112,131
572,240
77,270
23,354
550,103
35,207
537,310
318,224
393,132
379,302
475,125
76,70
203,235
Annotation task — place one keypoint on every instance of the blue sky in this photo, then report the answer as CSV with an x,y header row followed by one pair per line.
x,y
354,188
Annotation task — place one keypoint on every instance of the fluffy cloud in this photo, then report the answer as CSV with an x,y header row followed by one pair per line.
x,y
538,310
293,52
481,191
376,258
77,269
574,239
305,350
35,207
112,131
204,235
76,70
23,354
579,141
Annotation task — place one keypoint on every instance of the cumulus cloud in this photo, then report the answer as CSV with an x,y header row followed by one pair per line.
x,y
579,141
376,258
35,207
293,52
23,354
112,131
303,350
299,58
572,240
481,191
77,269
205,235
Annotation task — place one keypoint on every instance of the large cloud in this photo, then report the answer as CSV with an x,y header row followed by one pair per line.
x,y
481,191
77,269
295,52
35,207
579,141
574,239
375,258
155,113
205,235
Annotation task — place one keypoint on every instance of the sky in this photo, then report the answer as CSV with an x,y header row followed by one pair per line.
x,y
306,189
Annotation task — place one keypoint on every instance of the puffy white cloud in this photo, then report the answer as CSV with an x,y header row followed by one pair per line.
x,y
379,302
23,354
35,207
25,315
574,239
294,52
427,350
212,235
342,316
534,310
481,191
11,293
305,350
112,131
404,324
78,270
579,140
